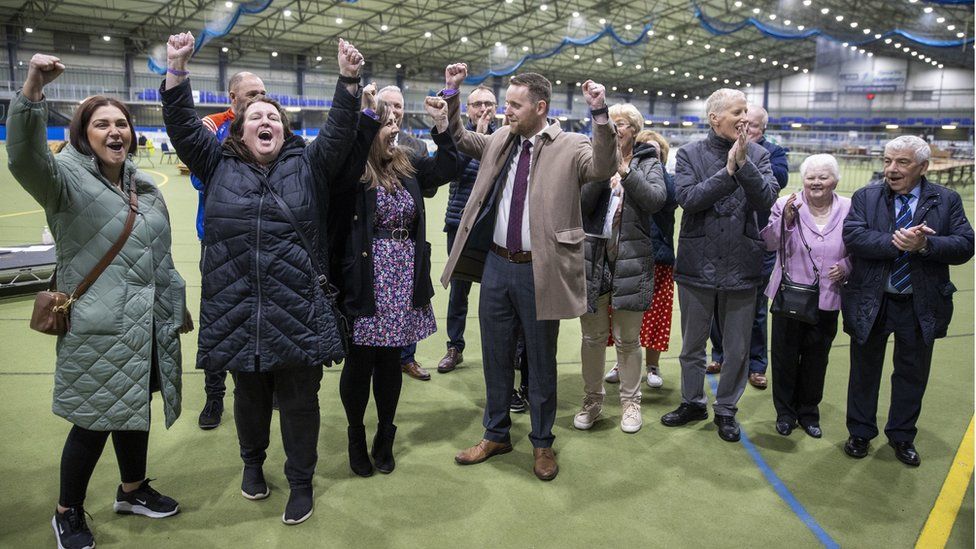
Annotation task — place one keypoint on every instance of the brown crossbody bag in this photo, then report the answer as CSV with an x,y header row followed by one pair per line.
x,y
52,309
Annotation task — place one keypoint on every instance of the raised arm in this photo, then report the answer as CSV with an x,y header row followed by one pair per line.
x,y
445,165
330,150
29,158
195,145
693,195
599,161
470,143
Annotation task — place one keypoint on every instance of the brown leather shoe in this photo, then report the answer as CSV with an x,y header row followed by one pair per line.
x,y
482,451
758,380
545,467
415,370
450,361
713,367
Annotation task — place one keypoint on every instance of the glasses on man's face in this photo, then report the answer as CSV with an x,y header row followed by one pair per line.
x,y
482,104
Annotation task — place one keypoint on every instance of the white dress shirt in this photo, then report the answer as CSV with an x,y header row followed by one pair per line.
x,y
505,204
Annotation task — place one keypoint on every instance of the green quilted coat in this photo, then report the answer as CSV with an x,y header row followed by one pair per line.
x,y
101,380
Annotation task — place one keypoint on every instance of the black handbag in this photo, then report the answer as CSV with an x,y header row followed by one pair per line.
x,y
330,291
794,300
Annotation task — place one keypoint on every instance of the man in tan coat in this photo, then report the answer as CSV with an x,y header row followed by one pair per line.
x,y
521,237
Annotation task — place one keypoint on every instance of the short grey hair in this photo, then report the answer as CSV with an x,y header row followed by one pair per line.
x,y
765,115
388,89
916,144
820,161
721,99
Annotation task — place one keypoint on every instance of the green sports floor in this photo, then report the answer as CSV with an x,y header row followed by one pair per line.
x,y
680,487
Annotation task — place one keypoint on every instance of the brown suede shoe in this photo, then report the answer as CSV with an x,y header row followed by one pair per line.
x,y
545,467
450,361
482,451
758,380
415,370
713,367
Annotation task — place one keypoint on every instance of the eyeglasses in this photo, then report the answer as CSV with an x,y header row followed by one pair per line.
x,y
480,104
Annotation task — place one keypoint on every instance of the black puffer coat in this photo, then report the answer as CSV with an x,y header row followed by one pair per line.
x,y
633,271
719,246
261,308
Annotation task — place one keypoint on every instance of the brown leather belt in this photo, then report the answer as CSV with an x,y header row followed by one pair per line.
x,y
517,257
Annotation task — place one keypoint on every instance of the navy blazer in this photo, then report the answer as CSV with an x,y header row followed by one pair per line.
x,y
868,232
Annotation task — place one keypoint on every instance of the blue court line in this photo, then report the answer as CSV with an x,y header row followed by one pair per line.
x,y
777,484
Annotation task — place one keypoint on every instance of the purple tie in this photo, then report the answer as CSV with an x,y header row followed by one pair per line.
x,y
514,240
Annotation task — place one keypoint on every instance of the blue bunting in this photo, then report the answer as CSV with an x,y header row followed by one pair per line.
x,y
476,79
717,27
253,6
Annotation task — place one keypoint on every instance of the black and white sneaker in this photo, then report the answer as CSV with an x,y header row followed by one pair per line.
x,y
299,506
518,404
145,501
71,530
253,485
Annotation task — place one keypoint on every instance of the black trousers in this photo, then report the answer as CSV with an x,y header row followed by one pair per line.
x,y
81,451
297,389
381,365
215,384
799,355
911,361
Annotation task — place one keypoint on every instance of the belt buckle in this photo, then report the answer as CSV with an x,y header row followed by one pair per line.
x,y
400,234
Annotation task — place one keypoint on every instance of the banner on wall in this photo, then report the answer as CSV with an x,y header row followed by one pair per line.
x,y
873,81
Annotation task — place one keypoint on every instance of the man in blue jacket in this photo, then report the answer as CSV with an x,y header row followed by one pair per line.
x,y
757,119
902,235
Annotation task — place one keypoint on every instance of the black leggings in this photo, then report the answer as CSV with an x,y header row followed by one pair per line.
x,y
382,365
82,450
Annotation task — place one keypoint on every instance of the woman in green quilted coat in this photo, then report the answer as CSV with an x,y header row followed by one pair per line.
x,y
123,341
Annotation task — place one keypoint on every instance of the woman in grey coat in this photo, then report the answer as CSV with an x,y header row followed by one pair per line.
x,y
619,269
123,341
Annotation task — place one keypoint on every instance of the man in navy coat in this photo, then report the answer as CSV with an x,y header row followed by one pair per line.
x,y
902,235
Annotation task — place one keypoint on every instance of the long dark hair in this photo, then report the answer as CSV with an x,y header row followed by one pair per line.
x,y
234,141
386,173
78,129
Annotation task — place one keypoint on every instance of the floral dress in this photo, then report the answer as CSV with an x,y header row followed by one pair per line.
x,y
396,322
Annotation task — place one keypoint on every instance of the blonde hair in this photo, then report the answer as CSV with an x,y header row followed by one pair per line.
x,y
646,136
386,173
629,113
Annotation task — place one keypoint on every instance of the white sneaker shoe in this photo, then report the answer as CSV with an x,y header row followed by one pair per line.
x,y
588,415
632,421
613,376
654,379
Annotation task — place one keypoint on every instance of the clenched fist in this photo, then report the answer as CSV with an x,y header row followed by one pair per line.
x,y
454,75
595,95
42,71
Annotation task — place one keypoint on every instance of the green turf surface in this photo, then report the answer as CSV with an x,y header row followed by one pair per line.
x,y
660,487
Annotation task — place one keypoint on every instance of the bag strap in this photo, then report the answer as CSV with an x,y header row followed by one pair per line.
x,y
320,276
803,238
109,256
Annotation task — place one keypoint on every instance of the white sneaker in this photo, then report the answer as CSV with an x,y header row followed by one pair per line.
x,y
654,380
588,415
613,376
632,421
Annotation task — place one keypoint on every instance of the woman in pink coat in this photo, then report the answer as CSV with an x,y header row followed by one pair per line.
x,y
800,350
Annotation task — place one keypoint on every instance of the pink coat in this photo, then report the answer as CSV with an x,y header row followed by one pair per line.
x,y
826,247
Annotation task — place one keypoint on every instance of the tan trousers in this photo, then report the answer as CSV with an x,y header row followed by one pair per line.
x,y
626,334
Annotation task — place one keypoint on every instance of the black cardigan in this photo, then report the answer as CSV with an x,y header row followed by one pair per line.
x,y
352,217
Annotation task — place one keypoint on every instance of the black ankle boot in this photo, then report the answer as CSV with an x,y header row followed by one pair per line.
x,y
383,448
358,457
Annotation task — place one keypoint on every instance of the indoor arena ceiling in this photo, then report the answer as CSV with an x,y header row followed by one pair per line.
x,y
678,53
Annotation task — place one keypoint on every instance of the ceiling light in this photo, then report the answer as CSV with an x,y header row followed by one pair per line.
x,y
225,49
806,71
854,25
509,1
714,79
107,38
949,127
951,27
701,76
575,14
891,126
721,50
906,49
670,37
853,48
887,40
738,4
786,65
338,20
870,54
796,125
620,63
384,28
671,71
464,38
427,34
839,18
655,69
576,56
708,46
825,11
897,45
762,59
687,74
772,16
960,34
726,80
690,42
751,56
755,10
940,65
628,26
274,54
29,30
687,123
800,27
558,82
795,68
646,92
787,22
650,33
399,66
807,2
286,13
861,51
659,92
631,90
845,44
228,5
603,21
738,53
578,84
748,84
599,60
498,44
775,62
318,57
928,9
940,20
614,88
684,96
637,66
543,7
738,83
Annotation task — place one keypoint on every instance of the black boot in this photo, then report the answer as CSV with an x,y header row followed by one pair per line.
x,y
383,448
358,457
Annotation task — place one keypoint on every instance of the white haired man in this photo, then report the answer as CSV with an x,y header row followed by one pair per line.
x,y
902,235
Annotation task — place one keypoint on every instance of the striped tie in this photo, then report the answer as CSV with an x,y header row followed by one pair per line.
x,y
900,270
